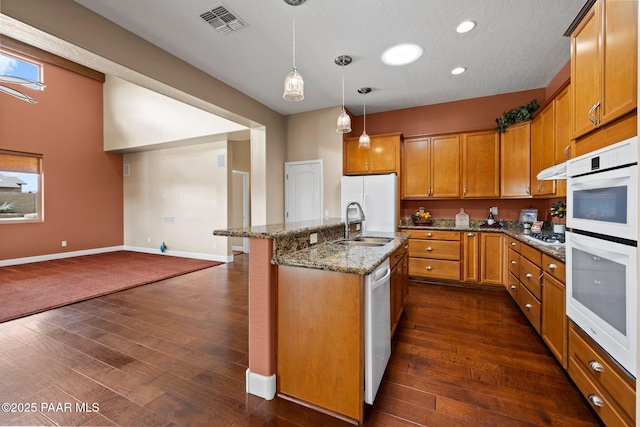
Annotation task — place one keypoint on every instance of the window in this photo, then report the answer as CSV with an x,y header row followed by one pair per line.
x,y
20,187
14,66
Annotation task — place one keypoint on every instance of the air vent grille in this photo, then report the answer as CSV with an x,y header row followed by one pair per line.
x,y
222,19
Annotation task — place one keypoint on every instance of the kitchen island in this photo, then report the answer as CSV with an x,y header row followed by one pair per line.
x,y
324,277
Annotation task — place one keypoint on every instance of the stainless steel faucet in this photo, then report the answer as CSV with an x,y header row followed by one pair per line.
x,y
346,217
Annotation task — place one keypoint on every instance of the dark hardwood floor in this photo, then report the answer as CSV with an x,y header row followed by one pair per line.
x,y
175,353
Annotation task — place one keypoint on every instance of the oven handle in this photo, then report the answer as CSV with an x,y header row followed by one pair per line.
x,y
605,182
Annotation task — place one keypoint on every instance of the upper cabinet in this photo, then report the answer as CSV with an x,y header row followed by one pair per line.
x,y
480,164
431,167
515,163
382,157
542,149
604,53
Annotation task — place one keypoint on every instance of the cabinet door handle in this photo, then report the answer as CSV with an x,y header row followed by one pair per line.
x,y
464,191
428,267
429,249
590,114
552,266
596,400
595,118
528,275
528,306
528,190
567,151
513,286
596,366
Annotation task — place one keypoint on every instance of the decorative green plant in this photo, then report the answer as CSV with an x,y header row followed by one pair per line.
x,y
558,209
6,207
519,114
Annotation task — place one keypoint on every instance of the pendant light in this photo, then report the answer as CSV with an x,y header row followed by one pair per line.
x,y
344,121
365,141
293,83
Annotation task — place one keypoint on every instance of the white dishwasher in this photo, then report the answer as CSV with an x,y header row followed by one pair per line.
x,y
377,328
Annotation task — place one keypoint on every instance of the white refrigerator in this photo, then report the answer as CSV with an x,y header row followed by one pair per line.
x,y
378,196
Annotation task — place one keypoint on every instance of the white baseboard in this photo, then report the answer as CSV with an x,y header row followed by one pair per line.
x,y
60,255
261,386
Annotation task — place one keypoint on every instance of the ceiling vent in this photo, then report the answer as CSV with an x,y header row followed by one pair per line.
x,y
222,19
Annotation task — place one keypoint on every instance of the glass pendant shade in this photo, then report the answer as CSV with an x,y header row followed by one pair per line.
x,y
293,86
365,141
344,123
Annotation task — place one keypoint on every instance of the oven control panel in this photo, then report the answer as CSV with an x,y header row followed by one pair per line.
x,y
619,154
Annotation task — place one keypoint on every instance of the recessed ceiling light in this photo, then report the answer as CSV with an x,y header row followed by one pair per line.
x,y
458,70
402,54
465,26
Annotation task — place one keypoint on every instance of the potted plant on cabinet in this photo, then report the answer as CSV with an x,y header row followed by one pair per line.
x,y
558,210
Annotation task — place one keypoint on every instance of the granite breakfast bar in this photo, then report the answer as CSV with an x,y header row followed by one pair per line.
x,y
290,245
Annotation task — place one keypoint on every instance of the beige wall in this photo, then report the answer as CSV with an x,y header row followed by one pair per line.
x,y
313,136
179,196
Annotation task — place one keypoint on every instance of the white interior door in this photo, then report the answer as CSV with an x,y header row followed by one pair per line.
x,y
303,190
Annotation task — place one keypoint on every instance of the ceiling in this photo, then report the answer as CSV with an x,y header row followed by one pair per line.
x,y
516,45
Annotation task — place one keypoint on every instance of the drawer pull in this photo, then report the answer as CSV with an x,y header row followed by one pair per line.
x,y
513,286
595,400
552,266
528,275
429,267
513,243
596,366
528,306
470,234
429,235
429,249
513,262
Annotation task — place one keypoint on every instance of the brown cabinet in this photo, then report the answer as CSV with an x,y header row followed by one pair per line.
x,y
431,167
524,280
542,150
399,263
608,389
515,162
480,164
604,56
382,157
435,254
307,352
554,319
562,136
482,258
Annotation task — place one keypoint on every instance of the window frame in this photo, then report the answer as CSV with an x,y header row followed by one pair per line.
x,y
39,198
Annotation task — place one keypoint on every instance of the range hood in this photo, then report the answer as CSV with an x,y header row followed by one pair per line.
x,y
554,172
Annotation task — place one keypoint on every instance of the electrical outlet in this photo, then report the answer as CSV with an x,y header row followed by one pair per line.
x,y
313,238
357,227
148,239
64,243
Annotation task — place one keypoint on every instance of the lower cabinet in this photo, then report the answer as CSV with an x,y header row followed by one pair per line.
x,y
482,259
435,254
554,318
399,262
610,391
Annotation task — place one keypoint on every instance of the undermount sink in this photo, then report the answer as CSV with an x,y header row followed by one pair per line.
x,y
383,240
358,243
365,241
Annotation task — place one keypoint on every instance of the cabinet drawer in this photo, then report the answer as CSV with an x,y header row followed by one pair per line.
x,y
530,306
530,276
435,235
532,254
514,262
434,268
585,357
512,286
554,267
514,244
436,249
397,255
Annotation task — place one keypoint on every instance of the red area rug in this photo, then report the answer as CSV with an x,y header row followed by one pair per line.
x,y
31,288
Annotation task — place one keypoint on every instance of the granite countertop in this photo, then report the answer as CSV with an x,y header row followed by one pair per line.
x,y
279,230
345,259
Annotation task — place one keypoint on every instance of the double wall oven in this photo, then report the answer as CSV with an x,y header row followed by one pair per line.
x,y
601,248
